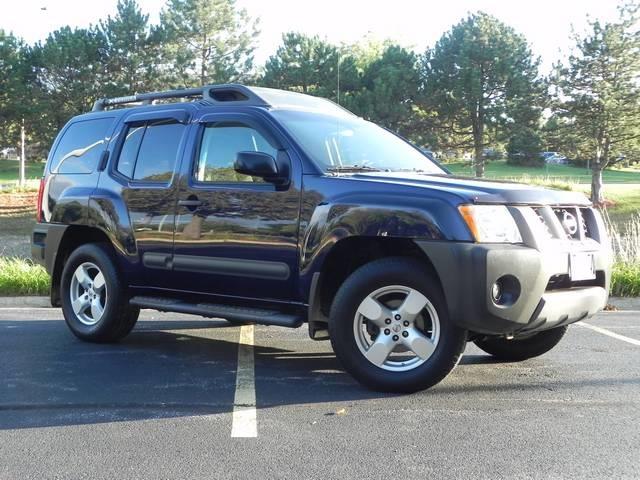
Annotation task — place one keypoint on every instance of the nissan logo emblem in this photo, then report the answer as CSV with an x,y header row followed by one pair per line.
x,y
569,223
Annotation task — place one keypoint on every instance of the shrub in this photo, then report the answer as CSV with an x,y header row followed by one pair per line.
x,y
625,278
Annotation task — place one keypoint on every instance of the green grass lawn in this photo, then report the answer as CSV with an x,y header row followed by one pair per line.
x,y
22,277
621,187
565,173
9,170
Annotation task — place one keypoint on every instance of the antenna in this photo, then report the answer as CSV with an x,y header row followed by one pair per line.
x,y
339,59
337,146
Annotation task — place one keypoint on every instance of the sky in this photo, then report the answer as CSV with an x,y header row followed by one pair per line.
x,y
547,24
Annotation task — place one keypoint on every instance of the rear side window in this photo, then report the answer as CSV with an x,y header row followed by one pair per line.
x,y
81,145
150,150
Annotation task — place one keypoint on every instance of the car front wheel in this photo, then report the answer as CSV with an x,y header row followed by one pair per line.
x,y
390,329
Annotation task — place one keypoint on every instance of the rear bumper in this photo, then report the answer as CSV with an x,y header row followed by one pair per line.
x,y
547,298
45,242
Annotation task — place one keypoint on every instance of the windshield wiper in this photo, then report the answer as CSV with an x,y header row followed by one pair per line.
x,y
352,169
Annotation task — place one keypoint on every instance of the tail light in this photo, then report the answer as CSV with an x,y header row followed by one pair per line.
x,y
39,204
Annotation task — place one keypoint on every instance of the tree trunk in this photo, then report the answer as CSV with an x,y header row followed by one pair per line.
x,y
479,159
203,70
596,184
478,139
477,151
602,159
204,54
23,160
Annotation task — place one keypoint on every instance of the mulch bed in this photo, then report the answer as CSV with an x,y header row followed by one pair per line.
x,y
18,203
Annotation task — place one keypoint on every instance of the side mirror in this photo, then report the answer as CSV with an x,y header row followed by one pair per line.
x,y
258,164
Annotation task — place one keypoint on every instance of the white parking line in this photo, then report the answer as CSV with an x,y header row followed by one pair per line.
x,y
611,334
244,405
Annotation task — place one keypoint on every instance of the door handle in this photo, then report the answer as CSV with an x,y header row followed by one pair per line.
x,y
191,202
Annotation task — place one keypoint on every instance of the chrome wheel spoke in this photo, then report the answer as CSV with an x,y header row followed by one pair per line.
x,y
373,310
419,343
96,309
88,293
412,305
408,328
98,282
80,304
380,350
82,277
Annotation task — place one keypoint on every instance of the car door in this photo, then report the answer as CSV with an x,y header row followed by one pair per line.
x,y
147,158
236,235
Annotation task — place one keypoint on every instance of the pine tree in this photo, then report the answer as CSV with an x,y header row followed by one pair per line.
x,y
131,51
206,41
599,91
481,76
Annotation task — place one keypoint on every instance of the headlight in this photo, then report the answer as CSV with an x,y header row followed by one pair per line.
x,y
491,223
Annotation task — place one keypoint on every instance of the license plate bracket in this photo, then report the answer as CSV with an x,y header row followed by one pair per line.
x,y
582,266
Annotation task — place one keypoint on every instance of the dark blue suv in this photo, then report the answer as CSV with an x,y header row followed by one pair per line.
x,y
271,207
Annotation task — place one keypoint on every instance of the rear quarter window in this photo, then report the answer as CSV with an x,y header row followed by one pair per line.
x,y
81,145
150,150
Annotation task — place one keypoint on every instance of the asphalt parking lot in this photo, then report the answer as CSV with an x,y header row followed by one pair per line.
x,y
161,405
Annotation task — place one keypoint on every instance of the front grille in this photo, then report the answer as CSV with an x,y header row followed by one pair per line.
x,y
543,227
570,220
570,223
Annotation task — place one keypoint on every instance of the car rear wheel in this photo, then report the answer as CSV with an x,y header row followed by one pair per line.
x,y
94,301
518,349
390,329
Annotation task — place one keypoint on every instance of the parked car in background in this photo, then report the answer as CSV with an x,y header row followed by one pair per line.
x,y
429,154
554,158
492,154
9,153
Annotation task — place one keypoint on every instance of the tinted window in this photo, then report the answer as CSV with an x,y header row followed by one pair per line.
x,y
220,145
81,145
158,151
130,148
150,150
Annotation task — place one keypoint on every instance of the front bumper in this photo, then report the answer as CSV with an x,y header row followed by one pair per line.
x,y
547,297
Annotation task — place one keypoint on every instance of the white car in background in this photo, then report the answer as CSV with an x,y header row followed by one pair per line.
x,y
554,158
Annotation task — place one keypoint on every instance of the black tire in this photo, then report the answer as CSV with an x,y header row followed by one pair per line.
x,y
360,284
118,317
516,350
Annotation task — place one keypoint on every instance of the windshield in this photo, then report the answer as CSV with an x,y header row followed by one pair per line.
x,y
349,143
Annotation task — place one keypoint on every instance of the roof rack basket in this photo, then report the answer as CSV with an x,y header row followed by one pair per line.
x,y
216,94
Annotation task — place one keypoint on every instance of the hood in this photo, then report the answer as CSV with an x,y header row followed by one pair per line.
x,y
479,191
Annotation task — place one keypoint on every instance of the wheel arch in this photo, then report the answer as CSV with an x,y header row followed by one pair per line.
x,y
346,256
74,236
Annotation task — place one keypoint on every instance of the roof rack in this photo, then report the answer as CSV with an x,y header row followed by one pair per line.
x,y
217,94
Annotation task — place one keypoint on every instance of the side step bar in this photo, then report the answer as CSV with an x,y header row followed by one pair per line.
x,y
228,312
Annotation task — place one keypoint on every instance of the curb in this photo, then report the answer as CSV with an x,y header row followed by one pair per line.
x,y
625,303
25,302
